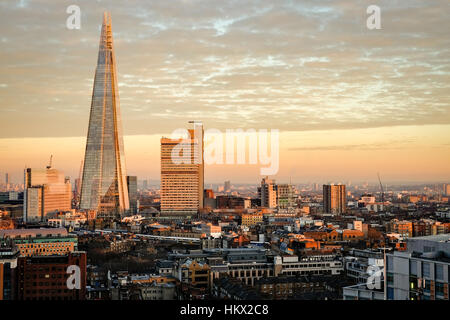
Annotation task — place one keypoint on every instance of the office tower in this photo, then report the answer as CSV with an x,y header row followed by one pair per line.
x,y
182,178
6,179
334,199
46,191
132,193
227,186
268,193
104,184
145,184
286,197
446,190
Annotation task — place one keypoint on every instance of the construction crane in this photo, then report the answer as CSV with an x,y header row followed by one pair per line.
x,y
381,186
50,162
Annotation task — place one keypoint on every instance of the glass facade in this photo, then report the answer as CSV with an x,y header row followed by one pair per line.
x,y
104,183
47,191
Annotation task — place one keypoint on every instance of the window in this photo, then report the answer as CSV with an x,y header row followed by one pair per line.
x,y
427,286
439,288
390,293
390,278
439,272
390,263
425,269
413,268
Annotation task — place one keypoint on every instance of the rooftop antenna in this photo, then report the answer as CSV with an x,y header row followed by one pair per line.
x,y
50,162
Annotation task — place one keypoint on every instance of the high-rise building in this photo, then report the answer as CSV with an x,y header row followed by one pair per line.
x,y
227,186
182,178
46,191
268,193
132,193
286,196
446,190
7,178
334,199
104,183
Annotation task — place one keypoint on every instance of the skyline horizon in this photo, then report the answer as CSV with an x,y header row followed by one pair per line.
x,y
337,129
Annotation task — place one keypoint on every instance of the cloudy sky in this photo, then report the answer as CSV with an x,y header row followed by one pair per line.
x,y
349,101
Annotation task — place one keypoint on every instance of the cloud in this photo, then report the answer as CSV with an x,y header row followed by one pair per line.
x,y
387,145
291,65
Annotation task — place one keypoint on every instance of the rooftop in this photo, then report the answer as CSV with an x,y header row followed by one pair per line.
x,y
41,232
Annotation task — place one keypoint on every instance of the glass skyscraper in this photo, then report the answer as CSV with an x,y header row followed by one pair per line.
x,y
104,182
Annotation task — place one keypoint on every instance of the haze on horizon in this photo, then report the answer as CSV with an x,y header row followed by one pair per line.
x,y
349,102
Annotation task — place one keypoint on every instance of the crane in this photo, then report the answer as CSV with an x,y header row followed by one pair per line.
x,y
50,162
381,186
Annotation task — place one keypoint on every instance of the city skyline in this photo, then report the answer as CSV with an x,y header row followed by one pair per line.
x,y
393,108
224,158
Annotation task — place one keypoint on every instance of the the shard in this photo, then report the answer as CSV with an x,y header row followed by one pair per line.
x,y
104,182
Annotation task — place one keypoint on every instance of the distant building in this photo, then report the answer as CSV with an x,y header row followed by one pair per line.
x,y
46,191
251,219
229,202
132,194
227,186
268,193
285,196
404,228
446,189
367,199
193,273
211,230
334,199
41,242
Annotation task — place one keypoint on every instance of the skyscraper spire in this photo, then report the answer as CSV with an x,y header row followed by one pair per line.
x,y
104,184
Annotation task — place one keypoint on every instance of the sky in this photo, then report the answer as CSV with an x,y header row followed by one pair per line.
x,y
348,101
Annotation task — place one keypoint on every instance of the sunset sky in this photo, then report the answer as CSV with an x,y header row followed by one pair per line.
x,y
349,102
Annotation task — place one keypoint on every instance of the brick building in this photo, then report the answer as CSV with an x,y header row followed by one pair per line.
x,y
45,277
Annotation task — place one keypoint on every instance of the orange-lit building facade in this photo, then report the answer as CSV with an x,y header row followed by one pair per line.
x,y
46,191
251,219
334,199
41,242
182,178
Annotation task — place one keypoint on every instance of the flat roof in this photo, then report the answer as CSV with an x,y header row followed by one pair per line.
x,y
13,233
438,238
